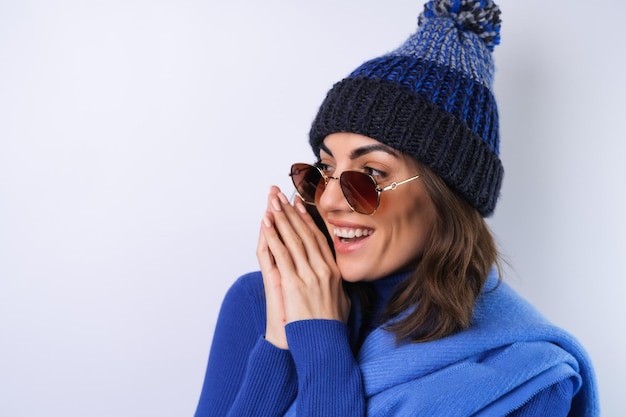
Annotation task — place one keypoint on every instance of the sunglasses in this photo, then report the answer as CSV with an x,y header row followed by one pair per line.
x,y
361,190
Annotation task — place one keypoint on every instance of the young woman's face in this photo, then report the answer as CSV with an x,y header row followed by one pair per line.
x,y
393,238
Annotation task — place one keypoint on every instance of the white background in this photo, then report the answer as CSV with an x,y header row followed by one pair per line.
x,y
138,140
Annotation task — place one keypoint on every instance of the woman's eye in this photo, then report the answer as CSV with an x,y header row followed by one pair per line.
x,y
325,168
376,173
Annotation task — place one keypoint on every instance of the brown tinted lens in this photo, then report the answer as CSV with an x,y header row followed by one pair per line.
x,y
360,191
306,178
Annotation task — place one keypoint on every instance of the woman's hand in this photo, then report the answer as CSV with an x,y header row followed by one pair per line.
x,y
302,280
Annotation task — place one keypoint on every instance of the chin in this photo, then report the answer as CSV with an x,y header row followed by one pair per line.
x,y
352,273
350,278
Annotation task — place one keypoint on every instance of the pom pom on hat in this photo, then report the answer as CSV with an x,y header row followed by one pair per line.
x,y
431,98
480,17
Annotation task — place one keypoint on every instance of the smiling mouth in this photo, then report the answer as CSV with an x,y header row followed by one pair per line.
x,y
350,234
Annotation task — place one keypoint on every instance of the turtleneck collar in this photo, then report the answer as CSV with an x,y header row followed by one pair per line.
x,y
383,290
384,287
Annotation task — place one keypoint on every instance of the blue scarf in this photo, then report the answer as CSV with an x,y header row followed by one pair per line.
x,y
509,354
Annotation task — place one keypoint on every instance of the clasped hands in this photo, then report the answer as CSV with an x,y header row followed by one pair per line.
x,y
301,279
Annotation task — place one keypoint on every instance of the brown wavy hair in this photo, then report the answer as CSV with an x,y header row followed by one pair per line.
x,y
458,256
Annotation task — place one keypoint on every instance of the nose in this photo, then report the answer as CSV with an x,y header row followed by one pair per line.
x,y
332,198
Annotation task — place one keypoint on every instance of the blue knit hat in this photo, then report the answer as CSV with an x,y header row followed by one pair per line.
x,y
431,99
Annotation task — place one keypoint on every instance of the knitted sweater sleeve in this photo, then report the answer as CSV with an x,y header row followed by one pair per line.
x,y
246,375
329,379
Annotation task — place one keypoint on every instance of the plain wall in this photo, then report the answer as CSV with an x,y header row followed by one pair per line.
x,y
138,140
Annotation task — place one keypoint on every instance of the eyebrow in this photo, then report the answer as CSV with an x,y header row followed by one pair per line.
x,y
364,150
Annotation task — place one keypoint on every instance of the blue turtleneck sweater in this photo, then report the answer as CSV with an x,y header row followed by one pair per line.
x,y
322,373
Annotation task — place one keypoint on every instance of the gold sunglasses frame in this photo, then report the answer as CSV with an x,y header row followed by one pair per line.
x,y
327,178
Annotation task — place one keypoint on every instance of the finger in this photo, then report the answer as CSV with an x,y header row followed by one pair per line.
x,y
305,243
274,190
295,235
323,256
264,256
281,256
276,317
322,241
277,255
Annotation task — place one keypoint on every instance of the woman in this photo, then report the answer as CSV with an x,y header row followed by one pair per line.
x,y
403,314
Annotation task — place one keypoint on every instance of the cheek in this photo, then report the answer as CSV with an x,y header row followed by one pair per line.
x,y
412,231
412,241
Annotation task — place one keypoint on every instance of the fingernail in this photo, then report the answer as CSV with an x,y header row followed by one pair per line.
x,y
300,206
275,204
283,198
266,221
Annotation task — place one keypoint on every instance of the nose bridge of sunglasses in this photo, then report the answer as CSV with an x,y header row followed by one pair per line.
x,y
328,181
330,192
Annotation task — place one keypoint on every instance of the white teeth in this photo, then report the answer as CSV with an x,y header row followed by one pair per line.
x,y
351,233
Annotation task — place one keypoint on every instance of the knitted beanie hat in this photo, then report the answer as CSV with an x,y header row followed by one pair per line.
x,y
431,99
